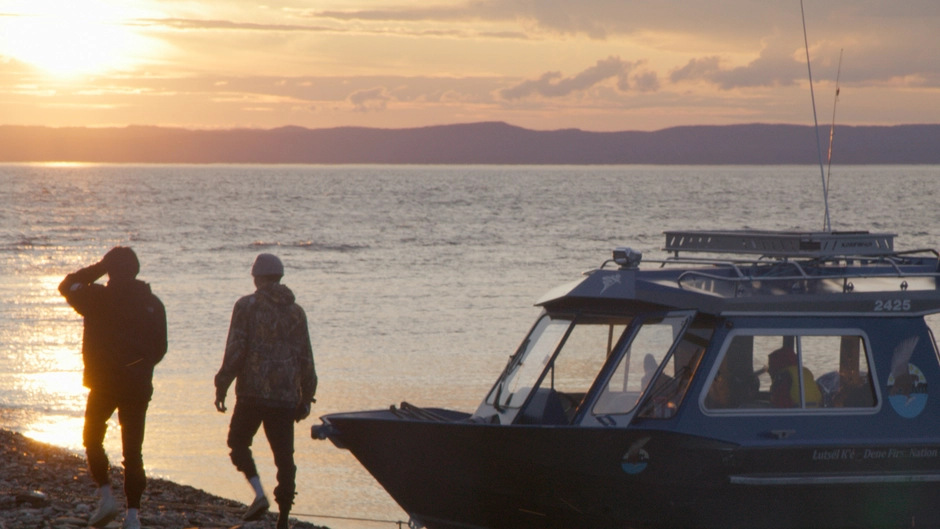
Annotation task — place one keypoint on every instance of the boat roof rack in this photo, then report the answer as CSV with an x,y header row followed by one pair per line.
x,y
813,245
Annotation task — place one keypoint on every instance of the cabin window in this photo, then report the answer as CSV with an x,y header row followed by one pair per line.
x,y
802,371
933,325
670,387
639,365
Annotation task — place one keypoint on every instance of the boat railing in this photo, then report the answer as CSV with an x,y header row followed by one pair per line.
x,y
842,260
773,269
920,250
803,277
847,286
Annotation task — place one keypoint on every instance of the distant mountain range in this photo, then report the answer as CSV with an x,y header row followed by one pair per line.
x,y
474,143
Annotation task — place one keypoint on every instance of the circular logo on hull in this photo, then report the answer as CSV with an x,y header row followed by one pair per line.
x,y
635,462
908,392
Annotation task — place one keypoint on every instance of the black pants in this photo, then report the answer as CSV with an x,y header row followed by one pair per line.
x,y
279,429
132,415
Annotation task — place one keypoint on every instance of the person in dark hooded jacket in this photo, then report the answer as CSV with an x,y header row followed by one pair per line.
x,y
268,355
124,338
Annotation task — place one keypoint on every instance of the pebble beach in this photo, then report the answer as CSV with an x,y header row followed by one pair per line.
x,y
44,486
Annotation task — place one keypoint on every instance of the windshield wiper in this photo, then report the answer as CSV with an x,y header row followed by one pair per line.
x,y
506,371
499,392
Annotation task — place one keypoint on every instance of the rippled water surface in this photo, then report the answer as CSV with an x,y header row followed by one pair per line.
x,y
418,281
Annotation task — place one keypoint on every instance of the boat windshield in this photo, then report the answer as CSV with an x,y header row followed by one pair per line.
x,y
527,364
648,367
560,355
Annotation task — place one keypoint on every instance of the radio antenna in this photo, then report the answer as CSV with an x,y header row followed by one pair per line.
x,y
822,173
833,127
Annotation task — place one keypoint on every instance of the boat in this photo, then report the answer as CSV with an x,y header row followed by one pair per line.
x,y
748,379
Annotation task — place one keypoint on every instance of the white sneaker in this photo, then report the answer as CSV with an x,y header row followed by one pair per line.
x,y
131,524
107,511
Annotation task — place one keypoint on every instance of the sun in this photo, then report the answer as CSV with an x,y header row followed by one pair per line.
x,y
66,37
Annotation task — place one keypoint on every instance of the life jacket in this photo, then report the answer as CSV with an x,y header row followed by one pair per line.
x,y
811,394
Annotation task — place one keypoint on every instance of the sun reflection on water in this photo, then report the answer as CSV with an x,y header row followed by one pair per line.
x,y
41,383
62,388
46,347
57,430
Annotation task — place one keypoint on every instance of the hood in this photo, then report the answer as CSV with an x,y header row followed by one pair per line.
x,y
129,297
126,289
278,294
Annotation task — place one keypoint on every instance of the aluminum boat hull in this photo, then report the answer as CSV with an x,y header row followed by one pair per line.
x,y
462,474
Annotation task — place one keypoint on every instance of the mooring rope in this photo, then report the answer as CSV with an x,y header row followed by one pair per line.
x,y
217,508
400,523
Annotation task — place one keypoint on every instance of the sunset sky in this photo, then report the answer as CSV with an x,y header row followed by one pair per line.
x,y
597,65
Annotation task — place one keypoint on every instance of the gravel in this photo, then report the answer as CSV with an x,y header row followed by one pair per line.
x,y
44,486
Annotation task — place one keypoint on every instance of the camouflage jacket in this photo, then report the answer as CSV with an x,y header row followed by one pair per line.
x,y
268,351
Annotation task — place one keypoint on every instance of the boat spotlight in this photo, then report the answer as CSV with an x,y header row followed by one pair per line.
x,y
627,257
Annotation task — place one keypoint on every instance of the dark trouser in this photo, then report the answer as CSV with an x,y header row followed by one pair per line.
x,y
279,429
132,415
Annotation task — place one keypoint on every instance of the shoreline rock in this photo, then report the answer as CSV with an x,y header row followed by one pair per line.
x,y
45,486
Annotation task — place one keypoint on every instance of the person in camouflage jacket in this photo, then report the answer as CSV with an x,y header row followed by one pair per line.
x,y
268,355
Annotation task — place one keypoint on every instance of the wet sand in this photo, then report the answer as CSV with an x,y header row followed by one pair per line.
x,y
44,486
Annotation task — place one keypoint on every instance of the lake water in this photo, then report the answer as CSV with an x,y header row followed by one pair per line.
x,y
418,281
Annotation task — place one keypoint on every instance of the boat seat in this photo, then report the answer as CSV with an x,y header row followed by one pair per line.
x,y
545,407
